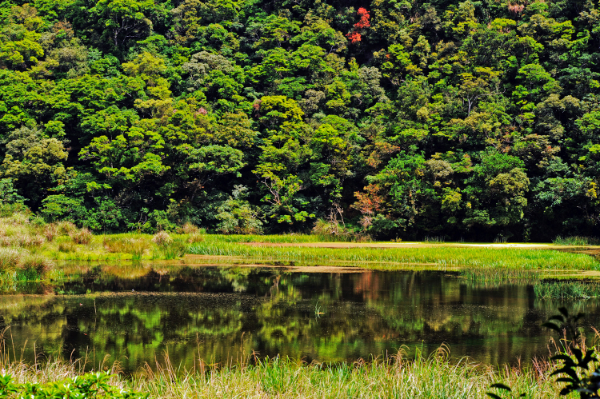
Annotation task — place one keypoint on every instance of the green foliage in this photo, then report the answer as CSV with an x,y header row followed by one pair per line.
x,y
95,385
237,216
406,121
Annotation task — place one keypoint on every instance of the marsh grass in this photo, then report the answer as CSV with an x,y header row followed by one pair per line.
x,y
291,238
174,250
18,265
576,241
567,289
442,257
63,241
66,245
135,245
83,236
490,277
9,259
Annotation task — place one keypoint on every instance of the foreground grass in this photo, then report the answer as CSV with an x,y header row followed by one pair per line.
x,y
432,377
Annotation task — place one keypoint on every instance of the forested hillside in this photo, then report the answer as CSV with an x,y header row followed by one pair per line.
x,y
404,119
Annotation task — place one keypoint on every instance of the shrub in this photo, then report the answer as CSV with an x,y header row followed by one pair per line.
x,y
333,231
83,236
162,239
237,215
188,228
91,385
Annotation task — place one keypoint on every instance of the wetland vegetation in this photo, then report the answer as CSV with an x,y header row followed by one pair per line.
x,y
153,305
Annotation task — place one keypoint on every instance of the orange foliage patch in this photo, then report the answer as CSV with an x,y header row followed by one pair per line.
x,y
363,23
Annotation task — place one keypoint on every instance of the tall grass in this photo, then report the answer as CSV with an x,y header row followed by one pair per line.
x,y
576,240
474,258
431,377
490,277
64,241
20,260
567,289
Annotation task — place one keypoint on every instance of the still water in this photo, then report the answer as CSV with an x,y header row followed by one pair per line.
x,y
221,313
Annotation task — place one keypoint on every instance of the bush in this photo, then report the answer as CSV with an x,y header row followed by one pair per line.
x,y
83,236
333,231
188,228
238,216
162,239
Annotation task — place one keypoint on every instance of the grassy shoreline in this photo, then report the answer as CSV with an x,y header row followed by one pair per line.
x,y
64,241
432,377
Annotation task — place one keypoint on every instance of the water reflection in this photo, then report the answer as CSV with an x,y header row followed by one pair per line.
x,y
222,313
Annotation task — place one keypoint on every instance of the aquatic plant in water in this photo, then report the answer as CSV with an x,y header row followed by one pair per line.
x,y
567,289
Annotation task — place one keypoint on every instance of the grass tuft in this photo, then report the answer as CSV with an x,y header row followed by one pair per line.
x,y
83,236
162,238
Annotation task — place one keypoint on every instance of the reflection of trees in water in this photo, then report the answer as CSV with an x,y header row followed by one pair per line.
x,y
232,311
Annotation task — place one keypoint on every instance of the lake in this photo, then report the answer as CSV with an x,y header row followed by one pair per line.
x,y
136,315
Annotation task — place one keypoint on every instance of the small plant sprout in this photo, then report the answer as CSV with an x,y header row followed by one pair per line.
x,y
318,311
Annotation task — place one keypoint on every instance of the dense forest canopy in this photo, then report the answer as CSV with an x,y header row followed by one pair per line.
x,y
474,119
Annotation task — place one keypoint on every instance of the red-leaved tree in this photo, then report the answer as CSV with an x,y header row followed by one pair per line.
x,y
355,35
